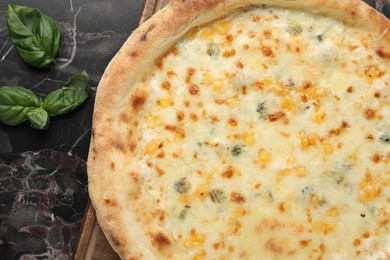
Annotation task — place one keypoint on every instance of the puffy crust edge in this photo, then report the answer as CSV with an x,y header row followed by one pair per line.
x,y
147,43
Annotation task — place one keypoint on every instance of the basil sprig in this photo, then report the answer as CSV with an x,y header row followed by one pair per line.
x,y
70,96
37,39
35,35
18,104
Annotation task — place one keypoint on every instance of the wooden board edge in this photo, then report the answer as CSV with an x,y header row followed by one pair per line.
x,y
150,7
85,232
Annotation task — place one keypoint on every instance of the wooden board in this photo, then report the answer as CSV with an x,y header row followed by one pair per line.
x,y
150,7
92,244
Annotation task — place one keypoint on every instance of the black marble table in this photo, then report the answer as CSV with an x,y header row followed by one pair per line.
x,y
43,181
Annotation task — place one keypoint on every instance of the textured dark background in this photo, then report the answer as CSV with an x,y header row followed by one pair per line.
x,y
43,180
92,31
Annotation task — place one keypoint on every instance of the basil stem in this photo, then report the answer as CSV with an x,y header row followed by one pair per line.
x,y
69,97
15,103
35,35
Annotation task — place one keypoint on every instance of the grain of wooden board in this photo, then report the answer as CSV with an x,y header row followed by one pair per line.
x,y
92,243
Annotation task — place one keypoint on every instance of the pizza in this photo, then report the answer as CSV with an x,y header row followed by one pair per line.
x,y
231,129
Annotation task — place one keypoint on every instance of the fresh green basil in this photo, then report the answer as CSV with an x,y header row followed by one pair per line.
x,y
69,97
38,118
18,104
15,103
37,39
35,35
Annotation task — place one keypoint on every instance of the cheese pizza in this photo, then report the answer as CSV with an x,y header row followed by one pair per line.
x,y
256,129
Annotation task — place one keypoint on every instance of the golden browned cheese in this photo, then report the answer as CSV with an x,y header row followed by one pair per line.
x,y
295,172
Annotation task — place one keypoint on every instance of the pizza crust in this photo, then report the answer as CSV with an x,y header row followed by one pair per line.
x,y
114,135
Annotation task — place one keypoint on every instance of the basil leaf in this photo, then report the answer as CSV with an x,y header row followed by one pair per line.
x,y
15,103
35,35
69,97
38,118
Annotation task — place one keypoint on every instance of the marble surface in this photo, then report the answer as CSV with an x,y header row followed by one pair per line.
x,y
43,181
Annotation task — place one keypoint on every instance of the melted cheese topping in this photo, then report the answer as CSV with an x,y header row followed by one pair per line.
x,y
267,134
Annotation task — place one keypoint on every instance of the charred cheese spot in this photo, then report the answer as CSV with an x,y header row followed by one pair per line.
x,y
179,132
276,116
267,51
229,53
339,130
180,115
376,158
166,85
190,73
229,38
160,241
137,102
369,114
193,89
228,173
233,122
350,89
237,197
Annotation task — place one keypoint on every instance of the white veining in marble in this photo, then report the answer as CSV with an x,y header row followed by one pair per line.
x,y
47,79
74,34
62,59
6,53
71,5
78,140
5,44
90,36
